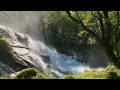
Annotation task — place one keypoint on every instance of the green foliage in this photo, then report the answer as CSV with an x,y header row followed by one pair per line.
x,y
3,77
110,72
32,73
4,49
104,26
70,76
86,75
111,68
44,76
67,36
26,73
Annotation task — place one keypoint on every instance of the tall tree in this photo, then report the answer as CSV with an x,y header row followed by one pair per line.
x,y
104,26
66,36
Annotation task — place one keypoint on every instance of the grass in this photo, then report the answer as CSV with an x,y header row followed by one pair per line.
x,y
111,72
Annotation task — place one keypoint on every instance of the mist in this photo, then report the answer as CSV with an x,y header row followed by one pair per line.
x,y
26,22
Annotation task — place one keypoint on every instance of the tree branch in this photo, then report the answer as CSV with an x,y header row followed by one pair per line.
x,y
83,26
106,14
7,16
117,24
101,25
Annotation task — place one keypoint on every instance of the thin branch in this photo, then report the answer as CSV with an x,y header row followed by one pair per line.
x,y
7,16
101,25
99,30
83,26
117,39
117,24
106,14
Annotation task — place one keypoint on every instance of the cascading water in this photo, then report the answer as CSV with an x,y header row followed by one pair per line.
x,y
59,64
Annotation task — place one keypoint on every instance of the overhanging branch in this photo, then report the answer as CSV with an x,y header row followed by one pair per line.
x,y
83,26
101,25
7,16
117,24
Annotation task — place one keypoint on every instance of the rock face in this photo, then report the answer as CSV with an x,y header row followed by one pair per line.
x,y
7,61
25,56
33,53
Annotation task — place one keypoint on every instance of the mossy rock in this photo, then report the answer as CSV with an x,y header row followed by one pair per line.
x,y
44,76
111,68
4,49
32,73
28,73
112,75
110,72
70,76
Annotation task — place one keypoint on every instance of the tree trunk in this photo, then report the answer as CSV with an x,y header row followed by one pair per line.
x,y
107,40
111,55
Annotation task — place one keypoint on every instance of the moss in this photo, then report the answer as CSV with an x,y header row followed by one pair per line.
x,y
70,76
111,68
5,49
91,75
3,77
26,73
110,72
32,73
44,76
112,75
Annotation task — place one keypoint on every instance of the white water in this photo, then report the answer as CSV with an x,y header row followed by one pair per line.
x,y
63,63
27,24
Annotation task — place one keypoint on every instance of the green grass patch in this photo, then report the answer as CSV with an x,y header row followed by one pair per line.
x,y
110,72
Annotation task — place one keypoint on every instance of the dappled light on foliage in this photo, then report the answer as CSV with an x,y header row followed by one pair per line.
x,y
60,45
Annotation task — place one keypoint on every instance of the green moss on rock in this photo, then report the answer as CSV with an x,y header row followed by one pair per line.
x,y
26,73
32,73
44,76
110,72
70,76
4,49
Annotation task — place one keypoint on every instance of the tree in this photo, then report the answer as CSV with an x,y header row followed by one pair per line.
x,y
104,26
66,36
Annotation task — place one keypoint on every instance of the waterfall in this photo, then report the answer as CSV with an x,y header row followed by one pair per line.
x,y
26,22
26,31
